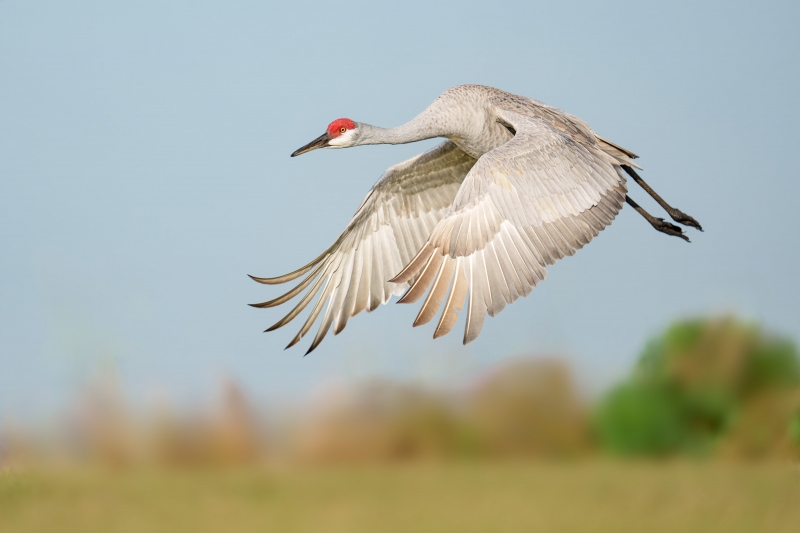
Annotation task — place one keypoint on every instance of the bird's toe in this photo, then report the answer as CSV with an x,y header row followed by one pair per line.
x,y
682,218
669,228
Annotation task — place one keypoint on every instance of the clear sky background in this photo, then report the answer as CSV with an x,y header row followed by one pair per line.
x,y
145,170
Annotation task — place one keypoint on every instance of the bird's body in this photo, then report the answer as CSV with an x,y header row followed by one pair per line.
x,y
517,186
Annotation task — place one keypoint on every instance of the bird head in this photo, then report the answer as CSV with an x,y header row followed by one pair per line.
x,y
340,133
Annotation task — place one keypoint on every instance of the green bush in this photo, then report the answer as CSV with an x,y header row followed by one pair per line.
x,y
697,384
639,419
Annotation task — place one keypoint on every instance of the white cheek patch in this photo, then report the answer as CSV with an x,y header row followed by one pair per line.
x,y
343,140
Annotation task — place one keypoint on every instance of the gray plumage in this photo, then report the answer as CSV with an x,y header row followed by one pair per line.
x,y
476,220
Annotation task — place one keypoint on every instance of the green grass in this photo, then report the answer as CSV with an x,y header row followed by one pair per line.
x,y
575,497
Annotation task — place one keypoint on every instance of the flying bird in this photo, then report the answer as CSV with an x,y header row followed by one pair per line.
x,y
516,186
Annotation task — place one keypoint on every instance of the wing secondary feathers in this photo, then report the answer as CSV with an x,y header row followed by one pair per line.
x,y
524,205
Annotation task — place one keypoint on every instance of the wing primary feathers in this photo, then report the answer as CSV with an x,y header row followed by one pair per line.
x,y
340,315
364,288
292,293
323,330
348,308
377,281
387,267
292,275
335,291
299,307
312,317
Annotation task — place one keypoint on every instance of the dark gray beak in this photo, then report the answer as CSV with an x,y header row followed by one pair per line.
x,y
319,142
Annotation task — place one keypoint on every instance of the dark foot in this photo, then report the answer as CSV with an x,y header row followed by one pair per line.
x,y
659,223
682,218
670,229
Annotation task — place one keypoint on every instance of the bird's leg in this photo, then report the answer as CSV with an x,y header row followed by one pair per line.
x,y
676,214
658,223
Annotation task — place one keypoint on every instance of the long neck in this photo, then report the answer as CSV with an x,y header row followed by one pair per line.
x,y
423,126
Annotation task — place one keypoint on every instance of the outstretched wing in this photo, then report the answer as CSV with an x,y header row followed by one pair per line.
x,y
387,230
524,205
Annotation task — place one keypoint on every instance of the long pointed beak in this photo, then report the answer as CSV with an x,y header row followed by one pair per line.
x,y
319,142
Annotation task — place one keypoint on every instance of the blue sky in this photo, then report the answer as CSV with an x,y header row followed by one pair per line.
x,y
145,170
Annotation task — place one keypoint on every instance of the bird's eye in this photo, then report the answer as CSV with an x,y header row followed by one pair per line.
x,y
342,129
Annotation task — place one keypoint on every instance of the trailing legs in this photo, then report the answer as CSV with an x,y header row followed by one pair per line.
x,y
676,214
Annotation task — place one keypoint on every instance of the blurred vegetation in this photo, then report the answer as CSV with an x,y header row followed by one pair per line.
x,y
715,387
525,407
707,386
710,388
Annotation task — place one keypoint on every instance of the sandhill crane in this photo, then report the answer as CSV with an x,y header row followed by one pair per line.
x,y
516,186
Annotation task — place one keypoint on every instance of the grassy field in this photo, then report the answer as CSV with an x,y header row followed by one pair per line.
x,y
578,497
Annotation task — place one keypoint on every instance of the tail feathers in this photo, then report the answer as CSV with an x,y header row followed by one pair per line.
x,y
624,156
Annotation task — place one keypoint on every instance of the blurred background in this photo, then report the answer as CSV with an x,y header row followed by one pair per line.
x,y
144,172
